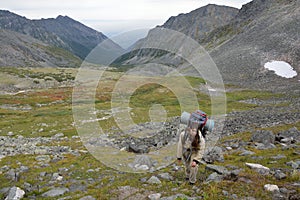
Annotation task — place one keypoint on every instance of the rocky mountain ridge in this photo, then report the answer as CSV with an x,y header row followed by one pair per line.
x,y
202,20
23,50
261,31
62,32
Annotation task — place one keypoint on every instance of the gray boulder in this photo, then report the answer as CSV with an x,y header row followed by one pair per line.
x,y
263,136
15,193
213,154
290,135
55,192
141,162
216,168
138,148
259,168
154,180
179,196
87,198
214,177
166,176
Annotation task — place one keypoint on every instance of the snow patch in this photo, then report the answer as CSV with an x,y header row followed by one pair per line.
x,y
281,68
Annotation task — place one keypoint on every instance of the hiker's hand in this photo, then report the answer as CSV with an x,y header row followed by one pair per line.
x,y
179,162
194,164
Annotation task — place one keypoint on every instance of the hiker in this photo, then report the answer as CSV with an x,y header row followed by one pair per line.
x,y
191,146
191,143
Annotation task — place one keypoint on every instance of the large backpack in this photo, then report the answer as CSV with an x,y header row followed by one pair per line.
x,y
197,119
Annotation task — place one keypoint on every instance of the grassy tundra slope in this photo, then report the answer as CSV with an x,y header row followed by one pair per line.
x,y
40,148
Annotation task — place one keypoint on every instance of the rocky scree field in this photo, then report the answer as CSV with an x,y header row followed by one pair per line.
x,y
42,156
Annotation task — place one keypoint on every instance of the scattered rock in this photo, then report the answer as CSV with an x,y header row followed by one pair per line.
x,y
166,176
278,157
13,175
59,135
259,168
138,148
293,164
289,135
126,191
271,188
154,180
57,177
214,177
246,153
263,136
142,162
279,175
155,196
55,192
262,146
179,196
15,193
87,198
218,169
245,180
213,154
77,186
43,158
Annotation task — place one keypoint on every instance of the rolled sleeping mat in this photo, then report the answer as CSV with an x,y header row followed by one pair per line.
x,y
184,118
209,125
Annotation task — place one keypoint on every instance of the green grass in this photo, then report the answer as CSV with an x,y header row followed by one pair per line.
x,y
234,98
53,107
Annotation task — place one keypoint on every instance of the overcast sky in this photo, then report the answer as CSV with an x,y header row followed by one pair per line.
x,y
111,16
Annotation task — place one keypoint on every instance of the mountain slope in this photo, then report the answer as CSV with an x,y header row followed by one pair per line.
x,y
80,38
195,24
263,30
14,22
22,50
202,20
61,32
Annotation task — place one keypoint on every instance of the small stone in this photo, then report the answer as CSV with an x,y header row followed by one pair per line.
x,y
58,135
90,171
263,136
166,176
143,180
279,175
10,133
155,196
87,198
259,168
216,168
271,188
225,193
15,193
55,192
278,157
228,148
214,177
141,167
293,164
154,180
43,158
24,169
246,153
57,177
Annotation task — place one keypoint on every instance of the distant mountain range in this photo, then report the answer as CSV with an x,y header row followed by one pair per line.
x,y
239,41
62,32
202,20
22,50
